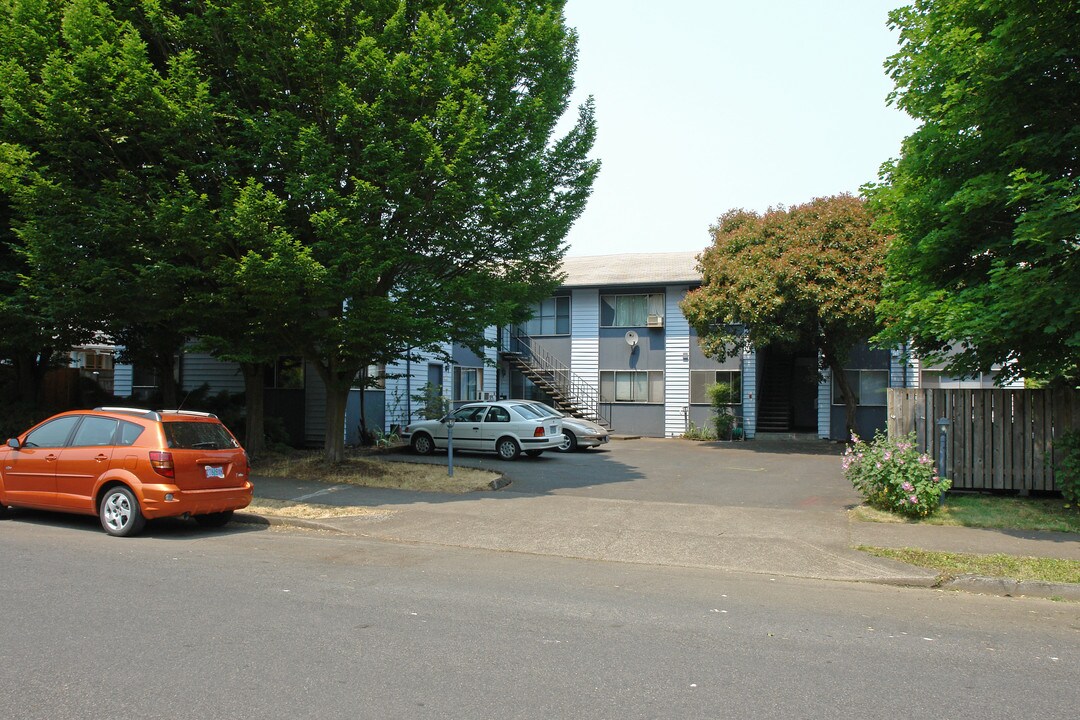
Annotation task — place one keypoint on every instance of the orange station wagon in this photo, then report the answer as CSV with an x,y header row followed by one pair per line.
x,y
127,465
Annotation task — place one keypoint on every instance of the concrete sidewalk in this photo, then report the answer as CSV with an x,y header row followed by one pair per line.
x,y
810,543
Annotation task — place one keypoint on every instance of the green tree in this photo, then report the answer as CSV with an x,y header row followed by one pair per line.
x,y
412,146
809,275
107,128
407,149
984,200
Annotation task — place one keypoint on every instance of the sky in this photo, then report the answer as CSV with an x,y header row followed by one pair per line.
x,y
703,106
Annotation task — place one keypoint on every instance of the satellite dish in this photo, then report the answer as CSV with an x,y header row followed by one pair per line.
x,y
631,338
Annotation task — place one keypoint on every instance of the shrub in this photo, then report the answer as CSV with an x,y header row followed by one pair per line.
x,y
893,475
725,423
1068,468
721,396
699,433
434,406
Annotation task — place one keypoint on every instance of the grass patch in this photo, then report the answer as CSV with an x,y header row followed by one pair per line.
x,y
310,511
371,471
989,511
1005,566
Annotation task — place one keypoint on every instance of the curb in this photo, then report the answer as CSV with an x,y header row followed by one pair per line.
x,y
1010,588
282,521
1003,587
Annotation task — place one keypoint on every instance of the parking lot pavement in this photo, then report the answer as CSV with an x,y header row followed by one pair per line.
x,y
762,473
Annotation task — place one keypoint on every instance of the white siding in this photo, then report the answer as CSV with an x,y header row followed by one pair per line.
x,y
824,405
585,335
903,371
201,368
676,363
401,409
122,380
749,392
491,364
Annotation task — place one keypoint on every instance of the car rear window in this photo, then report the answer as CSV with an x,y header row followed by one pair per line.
x,y
528,412
197,436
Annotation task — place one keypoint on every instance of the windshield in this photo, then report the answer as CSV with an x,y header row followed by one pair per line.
x,y
198,436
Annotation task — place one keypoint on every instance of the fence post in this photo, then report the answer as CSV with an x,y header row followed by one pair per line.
x,y
943,445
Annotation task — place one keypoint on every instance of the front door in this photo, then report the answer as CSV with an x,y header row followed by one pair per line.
x,y
467,424
30,471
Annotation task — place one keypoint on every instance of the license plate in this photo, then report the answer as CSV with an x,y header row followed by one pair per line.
x,y
553,430
215,472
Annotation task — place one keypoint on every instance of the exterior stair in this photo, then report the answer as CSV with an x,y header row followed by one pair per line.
x,y
774,408
569,393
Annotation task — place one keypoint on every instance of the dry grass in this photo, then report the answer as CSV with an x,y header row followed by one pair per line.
x,y
372,471
1007,566
311,511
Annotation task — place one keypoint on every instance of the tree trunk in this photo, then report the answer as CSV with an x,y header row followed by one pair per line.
x,y
365,439
846,392
165,364
254,408
337,396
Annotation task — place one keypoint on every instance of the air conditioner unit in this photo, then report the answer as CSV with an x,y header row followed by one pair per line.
x,y
654,321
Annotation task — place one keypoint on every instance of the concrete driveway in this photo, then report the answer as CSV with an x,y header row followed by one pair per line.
x,y
764,473
769,506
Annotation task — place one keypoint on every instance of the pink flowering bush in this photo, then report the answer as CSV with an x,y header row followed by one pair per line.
x,y
893,475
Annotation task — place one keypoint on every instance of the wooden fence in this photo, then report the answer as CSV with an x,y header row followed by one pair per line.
x,y
995,439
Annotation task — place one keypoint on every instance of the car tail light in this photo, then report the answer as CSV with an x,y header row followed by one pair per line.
x,y
162,463
539,431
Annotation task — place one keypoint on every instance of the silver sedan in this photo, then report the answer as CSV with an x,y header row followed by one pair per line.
x,y
577,432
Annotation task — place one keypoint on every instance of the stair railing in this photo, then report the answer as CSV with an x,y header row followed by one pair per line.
x,y
578,391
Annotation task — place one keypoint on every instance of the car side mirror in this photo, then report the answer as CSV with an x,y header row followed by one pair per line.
x,y
14,443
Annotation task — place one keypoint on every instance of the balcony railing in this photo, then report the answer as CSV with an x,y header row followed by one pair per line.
x,y
572,393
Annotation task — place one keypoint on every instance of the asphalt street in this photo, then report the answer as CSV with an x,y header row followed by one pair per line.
x,y
253,622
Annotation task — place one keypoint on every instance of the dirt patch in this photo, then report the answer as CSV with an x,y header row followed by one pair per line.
x,y
372,471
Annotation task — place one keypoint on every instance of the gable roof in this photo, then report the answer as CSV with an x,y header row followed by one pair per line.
x,y
631,269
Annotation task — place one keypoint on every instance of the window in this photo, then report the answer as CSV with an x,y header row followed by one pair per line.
x,y
869,387
374,376
941,379
95,431
632,386
286,374
470,414
702,380
632,310
197,436
129,433
498,414
92,360
550,317
52,434
468,383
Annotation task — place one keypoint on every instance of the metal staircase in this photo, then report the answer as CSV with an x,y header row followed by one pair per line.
x,y
569,393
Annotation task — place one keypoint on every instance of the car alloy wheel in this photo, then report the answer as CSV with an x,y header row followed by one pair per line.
x,y
423,445
569,442
508,448
119,512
